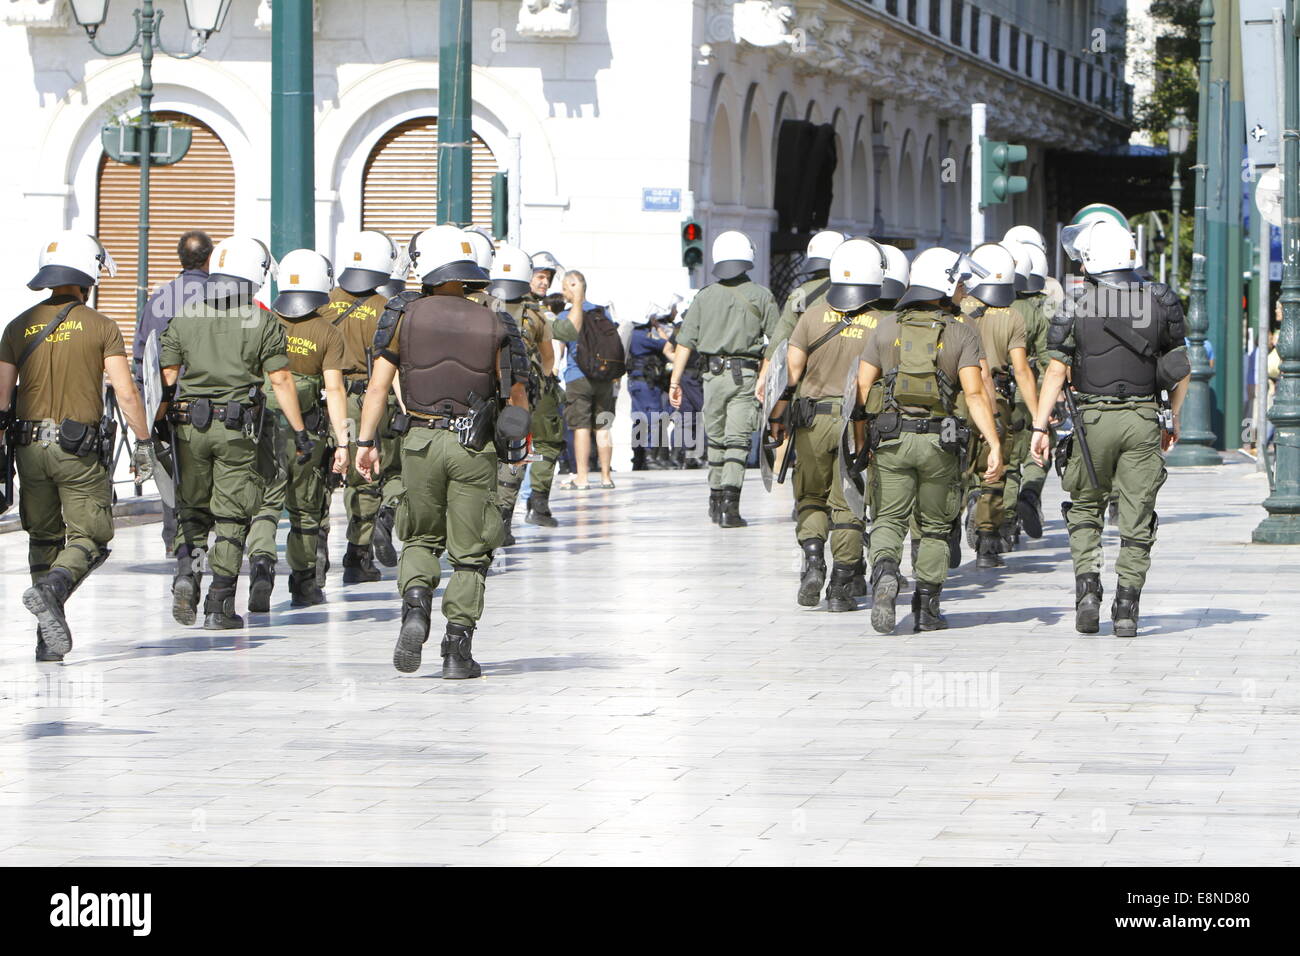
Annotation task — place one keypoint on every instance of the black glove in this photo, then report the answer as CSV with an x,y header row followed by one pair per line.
x,y
160,432
302,441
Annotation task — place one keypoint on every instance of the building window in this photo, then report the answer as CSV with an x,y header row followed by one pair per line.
x,y
1029,55
936,17
891,7
1078,70
995,39
974,30
1013,61
1060,70
911,12
956,18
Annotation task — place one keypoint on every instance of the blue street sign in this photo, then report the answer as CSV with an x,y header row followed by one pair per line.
x,y
661,199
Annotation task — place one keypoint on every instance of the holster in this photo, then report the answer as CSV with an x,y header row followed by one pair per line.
x,y
107,439
886,426
954,436
1061,456
801,413
475,429
315,420
399,425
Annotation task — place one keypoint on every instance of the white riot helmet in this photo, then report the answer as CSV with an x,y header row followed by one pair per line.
x,y
241,260
897,271
71,258
935,274
1037,270
1100,245
733,255
857,273
512,270
444,254
1031,267
820,249
371,259
544,261
484,249
306,278
998,287
1026,234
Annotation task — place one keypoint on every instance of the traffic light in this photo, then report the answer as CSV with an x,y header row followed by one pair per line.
x,y
999,185
692,244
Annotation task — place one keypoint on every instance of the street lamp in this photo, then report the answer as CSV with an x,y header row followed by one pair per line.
x,y
1196,439
1180,135
205,17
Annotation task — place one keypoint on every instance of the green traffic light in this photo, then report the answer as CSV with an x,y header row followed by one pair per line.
x,y
997,182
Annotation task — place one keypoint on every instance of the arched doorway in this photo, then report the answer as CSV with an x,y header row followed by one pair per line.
x,y
196,193
399,188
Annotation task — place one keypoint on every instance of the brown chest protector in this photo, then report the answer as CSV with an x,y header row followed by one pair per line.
x,y
448,348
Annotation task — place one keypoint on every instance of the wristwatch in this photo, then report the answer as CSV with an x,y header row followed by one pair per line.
x,y
370,443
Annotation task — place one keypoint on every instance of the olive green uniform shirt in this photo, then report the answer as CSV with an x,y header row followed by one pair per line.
x,y
801,300
1032,311
64,375
313,346
1001,330
828,367
358,328
730,318
225,351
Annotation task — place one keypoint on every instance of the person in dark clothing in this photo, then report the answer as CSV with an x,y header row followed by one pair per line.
x,y
169,300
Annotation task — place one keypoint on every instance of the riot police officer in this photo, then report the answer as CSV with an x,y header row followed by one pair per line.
x,y
648,352
924,358
727,322
53,359
1122,341
1002,334
228,344
459,364
1036,309
826,343
315,350
541,474
508,284
369,261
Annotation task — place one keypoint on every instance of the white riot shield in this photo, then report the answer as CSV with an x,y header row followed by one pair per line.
x,y
151,371
772,455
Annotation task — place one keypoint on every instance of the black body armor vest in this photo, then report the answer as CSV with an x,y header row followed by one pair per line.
x,y
1120,332
448,348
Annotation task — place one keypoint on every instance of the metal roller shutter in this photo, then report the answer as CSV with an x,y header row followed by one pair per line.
x,y
196,193
400,188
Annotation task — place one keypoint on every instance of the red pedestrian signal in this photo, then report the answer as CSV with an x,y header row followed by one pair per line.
x,y
692,244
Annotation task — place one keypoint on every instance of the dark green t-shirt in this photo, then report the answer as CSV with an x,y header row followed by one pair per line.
x,y
225,351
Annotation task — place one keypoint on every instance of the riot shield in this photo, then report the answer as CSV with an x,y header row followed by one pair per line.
x,y
773,454
165,475
851,479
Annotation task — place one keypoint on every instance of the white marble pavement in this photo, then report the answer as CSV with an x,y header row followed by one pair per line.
x,y
652,694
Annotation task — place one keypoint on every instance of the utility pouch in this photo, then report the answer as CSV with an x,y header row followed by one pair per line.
x,y
232,416
200,413
400,425
886,426
802,413
717,365
737,373
107,439
314,420
77,438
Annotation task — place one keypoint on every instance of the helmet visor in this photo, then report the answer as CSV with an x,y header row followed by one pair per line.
x,y
1072,239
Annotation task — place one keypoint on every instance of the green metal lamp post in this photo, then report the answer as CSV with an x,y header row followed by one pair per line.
x,y
1196,441
1180,134
454,130
205,18
293,131
1282,526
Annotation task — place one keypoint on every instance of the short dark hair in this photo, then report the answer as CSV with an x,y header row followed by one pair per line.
x,y
194,249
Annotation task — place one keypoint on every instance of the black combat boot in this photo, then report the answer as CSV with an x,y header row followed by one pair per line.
x,y
659,459
417,605
261,581
1124,612
925,608
884,591
858,583
539,511
45,600
322,554
1087,603
813,574
382,540
43,653
1009,535
359,565
303,589
715,505
507,519
1029,507
185,587
219,606
639,459
986,548
457,657
839,593
729,516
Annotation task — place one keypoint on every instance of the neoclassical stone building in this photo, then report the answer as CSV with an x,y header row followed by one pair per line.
x,y
585,104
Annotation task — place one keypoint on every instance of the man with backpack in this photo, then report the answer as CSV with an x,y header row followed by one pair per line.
x,y
594,362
